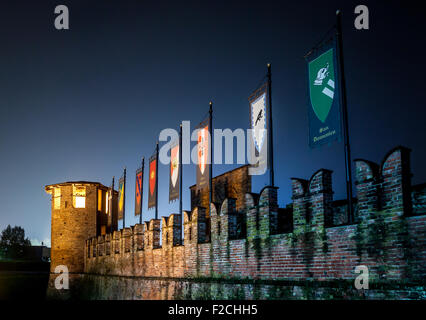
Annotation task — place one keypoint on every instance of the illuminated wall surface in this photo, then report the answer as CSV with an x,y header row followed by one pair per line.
x,y
283,248
79,210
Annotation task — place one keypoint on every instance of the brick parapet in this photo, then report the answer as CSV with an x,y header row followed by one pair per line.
x,y
393,249
386,189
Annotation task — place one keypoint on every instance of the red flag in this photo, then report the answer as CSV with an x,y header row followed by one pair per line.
x,y
152,182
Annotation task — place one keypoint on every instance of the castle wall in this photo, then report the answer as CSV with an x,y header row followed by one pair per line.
x,y
386,236
232,184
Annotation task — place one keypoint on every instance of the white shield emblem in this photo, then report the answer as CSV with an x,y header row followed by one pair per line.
x,y
202,148
258,120
174,165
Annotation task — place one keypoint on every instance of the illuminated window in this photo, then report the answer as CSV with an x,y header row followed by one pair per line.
x,y
57,198
99,200
79,196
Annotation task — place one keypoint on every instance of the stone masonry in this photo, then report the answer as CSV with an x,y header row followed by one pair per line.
x,y
72,226
388,235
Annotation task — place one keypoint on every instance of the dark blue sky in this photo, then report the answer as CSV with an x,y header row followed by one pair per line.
x,y
81,104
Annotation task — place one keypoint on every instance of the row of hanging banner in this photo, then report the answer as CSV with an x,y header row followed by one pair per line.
x,y
325,126
202,173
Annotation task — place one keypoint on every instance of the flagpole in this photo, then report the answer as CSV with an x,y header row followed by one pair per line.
x,y
141,188
180,173
211,157
271,142
345,116
111,204
156,182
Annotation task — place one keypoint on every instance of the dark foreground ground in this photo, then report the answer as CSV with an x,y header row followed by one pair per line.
x,y
22,280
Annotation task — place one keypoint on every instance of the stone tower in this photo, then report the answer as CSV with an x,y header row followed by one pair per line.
x,y
80,210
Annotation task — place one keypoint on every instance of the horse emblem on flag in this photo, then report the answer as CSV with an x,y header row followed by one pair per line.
x,y
258,121
322,84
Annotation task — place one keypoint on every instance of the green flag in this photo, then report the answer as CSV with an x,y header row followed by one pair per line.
x,y
324,102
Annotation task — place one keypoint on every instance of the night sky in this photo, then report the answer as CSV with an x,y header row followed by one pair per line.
x,y
83,103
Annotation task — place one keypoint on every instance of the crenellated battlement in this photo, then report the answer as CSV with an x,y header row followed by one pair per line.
x,y
385,188
252,242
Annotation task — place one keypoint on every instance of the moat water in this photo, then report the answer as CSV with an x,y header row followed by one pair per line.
x,y
99,287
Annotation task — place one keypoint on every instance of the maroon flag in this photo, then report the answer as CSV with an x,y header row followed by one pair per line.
x,y
203,154
121,193
174,172
138,192
152,195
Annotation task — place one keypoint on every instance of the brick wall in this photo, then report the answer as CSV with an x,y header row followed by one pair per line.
x,y
418,199
388,236
232,184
